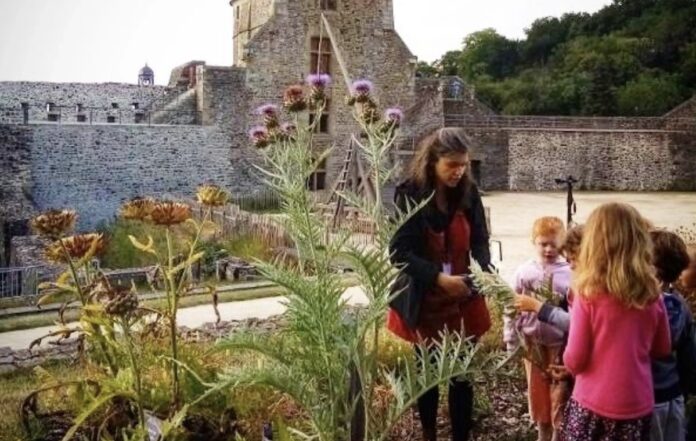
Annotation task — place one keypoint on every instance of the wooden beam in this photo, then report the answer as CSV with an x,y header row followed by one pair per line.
x,y
337,51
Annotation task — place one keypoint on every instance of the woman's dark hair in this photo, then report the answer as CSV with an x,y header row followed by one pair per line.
x,y
442,142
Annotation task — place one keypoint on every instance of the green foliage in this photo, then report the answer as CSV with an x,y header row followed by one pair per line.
x,y
247,247
488,53
424,70
327,358
649,94
581,64
120,252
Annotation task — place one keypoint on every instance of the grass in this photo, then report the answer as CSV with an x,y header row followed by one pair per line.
x,y
120,253
253,404
16,387
247,248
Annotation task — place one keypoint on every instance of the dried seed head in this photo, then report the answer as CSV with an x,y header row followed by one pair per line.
x,y
120,302
77,247
137,208
212,195
294,99
54,223
170,213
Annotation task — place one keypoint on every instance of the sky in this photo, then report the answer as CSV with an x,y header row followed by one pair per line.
x,y
110,40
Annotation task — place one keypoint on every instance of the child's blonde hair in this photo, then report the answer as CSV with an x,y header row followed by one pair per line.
x,y
548,226
616,257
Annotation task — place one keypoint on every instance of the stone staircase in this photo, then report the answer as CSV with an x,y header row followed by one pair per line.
x,y
180,110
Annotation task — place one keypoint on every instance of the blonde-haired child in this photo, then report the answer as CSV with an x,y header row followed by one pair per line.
x,y
618,323
546,268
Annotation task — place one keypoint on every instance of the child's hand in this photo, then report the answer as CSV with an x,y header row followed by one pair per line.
x,y
526,303
558,372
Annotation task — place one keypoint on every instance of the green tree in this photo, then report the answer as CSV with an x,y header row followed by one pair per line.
x,y
450,63
426,70
488,53
543,37
649,94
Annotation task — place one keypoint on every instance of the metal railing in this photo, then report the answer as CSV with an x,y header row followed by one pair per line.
x,y
74,115
19,282
570,122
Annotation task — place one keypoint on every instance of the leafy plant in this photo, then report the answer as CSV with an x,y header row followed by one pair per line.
x,y
111,318
327,358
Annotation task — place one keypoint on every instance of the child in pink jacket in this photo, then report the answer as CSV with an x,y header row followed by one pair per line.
x,y
618,324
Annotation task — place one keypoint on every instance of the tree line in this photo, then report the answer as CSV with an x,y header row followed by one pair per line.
x,y
632,57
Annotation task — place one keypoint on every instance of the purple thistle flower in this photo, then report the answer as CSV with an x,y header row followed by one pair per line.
x,y
394,115
319,81
288,128
362,87
258,132
268,110
259,136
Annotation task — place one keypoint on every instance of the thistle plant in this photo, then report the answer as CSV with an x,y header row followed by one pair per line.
x,y
107,316
74,284
174,275
326,357
495,288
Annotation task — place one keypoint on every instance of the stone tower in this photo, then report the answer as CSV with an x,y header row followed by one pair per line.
x,y
146,76
278,42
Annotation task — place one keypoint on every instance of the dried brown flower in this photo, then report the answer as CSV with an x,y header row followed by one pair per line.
x,y
369,113
77,247
170,213
212,195
120,301
294,99
137,208
54,223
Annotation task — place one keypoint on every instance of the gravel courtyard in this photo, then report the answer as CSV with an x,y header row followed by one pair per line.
x,y
512,215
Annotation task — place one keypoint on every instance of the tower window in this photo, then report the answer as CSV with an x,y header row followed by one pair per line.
x,y
110,119
317,180
320,55
323,125
327,5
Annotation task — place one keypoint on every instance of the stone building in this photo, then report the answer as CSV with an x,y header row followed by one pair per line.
x,y
91,146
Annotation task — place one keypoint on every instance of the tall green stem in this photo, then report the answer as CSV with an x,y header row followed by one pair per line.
x,y
73,272
172,294
136,371
96,330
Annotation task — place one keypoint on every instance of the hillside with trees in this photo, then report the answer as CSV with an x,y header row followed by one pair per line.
x,y
633,58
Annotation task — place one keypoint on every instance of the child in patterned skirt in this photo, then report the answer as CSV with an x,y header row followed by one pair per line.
x,y
618,323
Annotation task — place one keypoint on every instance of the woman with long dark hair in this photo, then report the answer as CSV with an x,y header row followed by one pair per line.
x,y
433,248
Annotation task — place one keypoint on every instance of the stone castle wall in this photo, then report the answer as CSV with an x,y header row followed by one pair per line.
x,y
93,169
66,96
15,173
602,160
249,17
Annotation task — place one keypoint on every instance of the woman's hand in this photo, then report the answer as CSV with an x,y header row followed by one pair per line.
x,y
453,286
527,303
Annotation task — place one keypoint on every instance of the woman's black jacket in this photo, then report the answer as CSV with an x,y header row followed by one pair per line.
x,y
408,249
